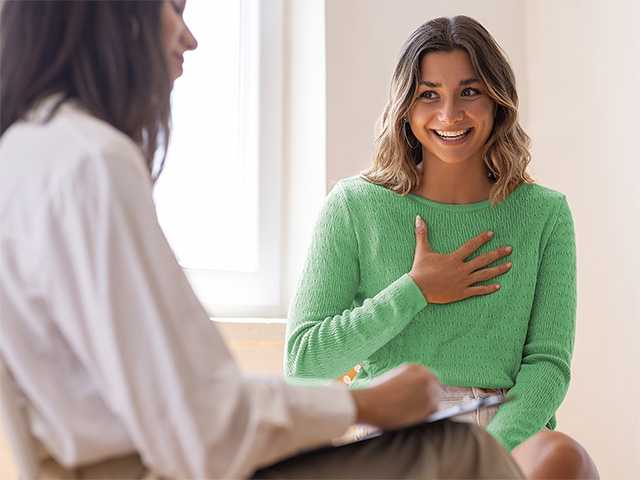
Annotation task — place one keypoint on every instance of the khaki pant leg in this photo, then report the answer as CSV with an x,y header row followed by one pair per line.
x,y
129,467
440,450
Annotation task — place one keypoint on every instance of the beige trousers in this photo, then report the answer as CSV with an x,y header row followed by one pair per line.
x,y
440,450
452,396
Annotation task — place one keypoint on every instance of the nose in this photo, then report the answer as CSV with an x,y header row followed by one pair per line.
x,y
188,39
450,113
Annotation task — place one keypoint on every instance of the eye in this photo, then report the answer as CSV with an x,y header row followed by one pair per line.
x,y
429,95
470,92
176,7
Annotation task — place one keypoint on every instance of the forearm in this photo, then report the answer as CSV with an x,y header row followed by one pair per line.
x,y
538,392
329,346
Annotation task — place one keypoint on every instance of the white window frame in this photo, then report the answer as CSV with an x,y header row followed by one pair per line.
x,y
258,293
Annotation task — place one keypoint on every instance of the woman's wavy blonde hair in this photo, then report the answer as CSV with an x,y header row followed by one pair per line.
x,y
506,153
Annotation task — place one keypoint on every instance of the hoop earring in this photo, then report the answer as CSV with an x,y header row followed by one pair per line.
x,y
406,138
491,175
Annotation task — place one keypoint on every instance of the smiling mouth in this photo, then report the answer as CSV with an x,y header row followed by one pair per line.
x,y
452,136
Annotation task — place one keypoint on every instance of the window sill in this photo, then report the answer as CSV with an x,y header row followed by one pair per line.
x,y
249,320
257,343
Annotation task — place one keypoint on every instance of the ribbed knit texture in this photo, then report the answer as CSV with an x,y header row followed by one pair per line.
x,y
356,304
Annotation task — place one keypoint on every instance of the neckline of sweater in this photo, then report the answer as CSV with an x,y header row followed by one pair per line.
x,y
464,207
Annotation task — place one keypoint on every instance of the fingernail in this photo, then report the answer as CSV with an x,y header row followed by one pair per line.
x,y
508,249
418,221
490,234
497,287
509,264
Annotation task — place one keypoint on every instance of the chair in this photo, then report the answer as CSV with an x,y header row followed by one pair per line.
x,y
16,426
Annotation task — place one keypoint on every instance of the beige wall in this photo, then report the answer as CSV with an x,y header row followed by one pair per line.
x,y
578,68
583,60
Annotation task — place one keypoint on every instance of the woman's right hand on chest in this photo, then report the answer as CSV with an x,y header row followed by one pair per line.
x,y
448,278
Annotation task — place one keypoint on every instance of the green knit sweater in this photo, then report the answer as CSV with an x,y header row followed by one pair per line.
x,y
356,303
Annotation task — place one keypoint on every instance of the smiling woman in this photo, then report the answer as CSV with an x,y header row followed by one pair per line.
x,y
460,91
378,292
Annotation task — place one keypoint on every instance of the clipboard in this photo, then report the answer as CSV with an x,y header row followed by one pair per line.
x,y
466,407
451,412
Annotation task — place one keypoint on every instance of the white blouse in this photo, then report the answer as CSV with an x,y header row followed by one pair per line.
x,y
102,331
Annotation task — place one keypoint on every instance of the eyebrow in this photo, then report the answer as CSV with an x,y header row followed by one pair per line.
x,y
429,84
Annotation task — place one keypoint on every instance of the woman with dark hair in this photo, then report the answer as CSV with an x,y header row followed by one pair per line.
x,y
123,374
64,53
487,297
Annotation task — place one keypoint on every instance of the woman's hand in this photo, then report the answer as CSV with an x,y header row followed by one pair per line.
x,y
401,397
448,278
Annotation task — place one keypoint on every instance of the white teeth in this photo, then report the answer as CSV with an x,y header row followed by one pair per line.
x,y
457,133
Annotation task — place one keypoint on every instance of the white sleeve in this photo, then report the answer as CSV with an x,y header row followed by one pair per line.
x,y
129,314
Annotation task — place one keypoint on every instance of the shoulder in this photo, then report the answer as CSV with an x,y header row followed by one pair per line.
x,y
543,206
69,150
72,162
356,190
538,197
541,193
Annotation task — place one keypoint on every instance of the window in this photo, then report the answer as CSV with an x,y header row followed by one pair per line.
x,y
218,199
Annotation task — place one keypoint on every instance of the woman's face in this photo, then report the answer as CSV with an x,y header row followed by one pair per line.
x,y
177,37
452,115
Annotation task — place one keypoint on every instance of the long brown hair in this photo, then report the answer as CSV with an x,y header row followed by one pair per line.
x,y
107,56
506,153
